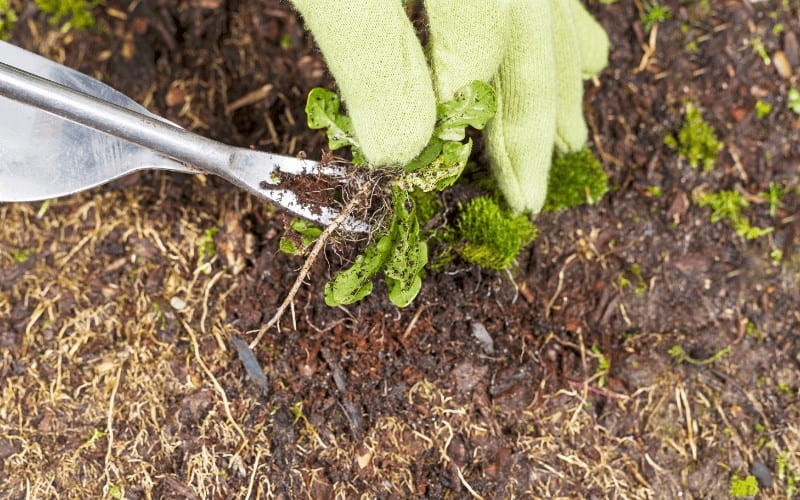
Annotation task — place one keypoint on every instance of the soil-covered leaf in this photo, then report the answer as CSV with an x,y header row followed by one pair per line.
x,y
403,270
443,172
307,233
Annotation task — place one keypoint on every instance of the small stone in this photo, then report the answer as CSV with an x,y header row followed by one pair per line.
x,y
678,207
482,335
363,457
762,474
176,96
177,303
792,48
781,63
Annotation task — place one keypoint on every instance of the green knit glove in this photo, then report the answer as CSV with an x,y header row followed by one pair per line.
x,y
534,52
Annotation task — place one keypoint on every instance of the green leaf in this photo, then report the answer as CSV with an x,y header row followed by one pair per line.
x,y
474,105
355,282
307,232
404,267
402,294
427,156
442,173
322,111
334,296
289,247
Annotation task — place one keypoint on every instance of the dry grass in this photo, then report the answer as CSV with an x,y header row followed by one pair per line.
x,y
99,355
108,388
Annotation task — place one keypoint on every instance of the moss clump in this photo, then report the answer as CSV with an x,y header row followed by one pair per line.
x,y
728,205
8,17
696,142
743,487
575,178
427,205
491,236
78,13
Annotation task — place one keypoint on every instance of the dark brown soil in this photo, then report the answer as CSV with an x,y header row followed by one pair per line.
x,y
560,378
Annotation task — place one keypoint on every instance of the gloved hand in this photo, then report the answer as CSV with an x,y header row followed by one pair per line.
x,y
533,52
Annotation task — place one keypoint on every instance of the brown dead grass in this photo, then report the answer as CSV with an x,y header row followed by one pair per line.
x,y
100,366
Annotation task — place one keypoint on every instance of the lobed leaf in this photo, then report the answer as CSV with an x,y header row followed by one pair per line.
x,y
442,173
354,283
427,156
474,105
404,266
322,111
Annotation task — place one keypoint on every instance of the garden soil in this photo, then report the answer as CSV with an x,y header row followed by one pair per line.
x,y
638,349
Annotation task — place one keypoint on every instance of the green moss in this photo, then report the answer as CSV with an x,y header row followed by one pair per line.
x,y
492,236
696,142
206,243
773,196
761,50
74,13
728,206
654,191
793,100
763,109
21,255
654,14
575,178
786,475
743,487
8,17
699,10
427,205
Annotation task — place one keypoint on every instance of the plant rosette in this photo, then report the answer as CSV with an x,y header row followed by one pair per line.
x,y
486,233
399,250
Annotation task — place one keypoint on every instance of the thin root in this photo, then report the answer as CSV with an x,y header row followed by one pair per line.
x,y
313,255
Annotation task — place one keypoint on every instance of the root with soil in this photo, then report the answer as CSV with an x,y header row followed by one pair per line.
x,y
360,197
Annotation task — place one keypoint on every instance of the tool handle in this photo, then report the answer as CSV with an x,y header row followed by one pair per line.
x,y
157,135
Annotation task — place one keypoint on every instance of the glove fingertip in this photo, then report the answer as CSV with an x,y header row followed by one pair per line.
x,y
592,39
571,135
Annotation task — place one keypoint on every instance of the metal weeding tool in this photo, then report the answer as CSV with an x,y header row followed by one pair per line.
x,y
62,132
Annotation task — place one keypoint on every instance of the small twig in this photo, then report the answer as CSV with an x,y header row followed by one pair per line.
x,y
649,50
110,422
414,320
471,491
220,390
313,255
253,475
600,392
560,285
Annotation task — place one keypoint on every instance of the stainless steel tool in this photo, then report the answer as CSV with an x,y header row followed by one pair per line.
x,y
62,132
